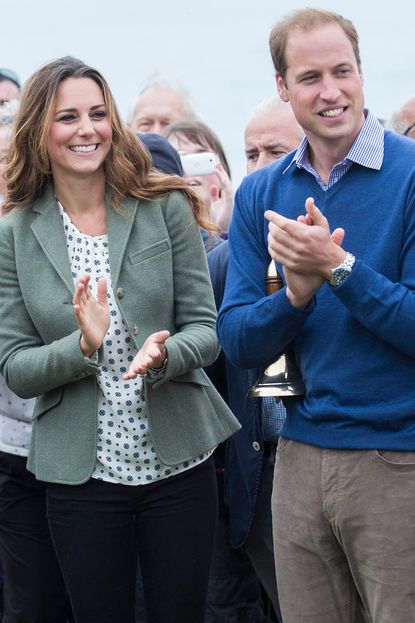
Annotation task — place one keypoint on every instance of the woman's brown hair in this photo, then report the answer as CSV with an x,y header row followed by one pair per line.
x,y
128,169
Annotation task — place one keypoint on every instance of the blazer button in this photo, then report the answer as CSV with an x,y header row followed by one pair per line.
x,y
256,446
134,329
120,293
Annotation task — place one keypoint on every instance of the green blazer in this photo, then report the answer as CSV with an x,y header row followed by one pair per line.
x,y
160,276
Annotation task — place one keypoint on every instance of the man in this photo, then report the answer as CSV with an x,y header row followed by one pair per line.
x,y
403,120
9,86
271,133
157,106
344,487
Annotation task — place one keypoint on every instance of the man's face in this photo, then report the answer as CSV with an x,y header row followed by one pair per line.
x,y
407,117
270,136
156,109
324,86
8,91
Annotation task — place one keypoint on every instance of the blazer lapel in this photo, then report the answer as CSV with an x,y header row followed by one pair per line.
x,y
119,229
49,232
48,229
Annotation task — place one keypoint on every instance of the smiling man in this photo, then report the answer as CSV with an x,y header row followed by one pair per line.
x,y
344,484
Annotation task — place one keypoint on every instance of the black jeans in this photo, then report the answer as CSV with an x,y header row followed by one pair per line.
x,y
96,526
33,585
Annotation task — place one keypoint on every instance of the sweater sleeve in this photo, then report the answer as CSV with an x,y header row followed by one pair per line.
x,y
253,328
385,308
384,302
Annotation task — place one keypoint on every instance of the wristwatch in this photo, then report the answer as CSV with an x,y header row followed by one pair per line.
x,y
342,271
156,372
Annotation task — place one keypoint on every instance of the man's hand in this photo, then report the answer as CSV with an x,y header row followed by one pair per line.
x,y
301,288
305,245
306,249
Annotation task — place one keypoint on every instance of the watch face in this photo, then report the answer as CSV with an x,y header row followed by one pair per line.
x,y
338,276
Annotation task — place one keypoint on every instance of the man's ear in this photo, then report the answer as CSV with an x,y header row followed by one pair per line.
x,y
282,89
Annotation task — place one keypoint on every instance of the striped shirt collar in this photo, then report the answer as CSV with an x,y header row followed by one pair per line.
x,y
367,149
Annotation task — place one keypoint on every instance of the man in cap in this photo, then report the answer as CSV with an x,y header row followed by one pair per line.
x,y
9,85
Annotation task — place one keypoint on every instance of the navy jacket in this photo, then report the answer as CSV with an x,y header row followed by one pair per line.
x,y
243,455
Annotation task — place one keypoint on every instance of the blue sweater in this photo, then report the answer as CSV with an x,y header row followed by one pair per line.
x,y
356,347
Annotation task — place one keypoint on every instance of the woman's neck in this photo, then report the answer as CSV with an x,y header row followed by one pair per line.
x,y
84,201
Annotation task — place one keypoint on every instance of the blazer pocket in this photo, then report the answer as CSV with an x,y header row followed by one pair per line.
x,y
194,376
150,251
47,401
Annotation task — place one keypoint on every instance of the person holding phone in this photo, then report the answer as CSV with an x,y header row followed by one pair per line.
x,y
111,340
208,172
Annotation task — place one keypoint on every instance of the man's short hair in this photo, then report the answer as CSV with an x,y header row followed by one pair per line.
x,y
306,20
155,81
270,105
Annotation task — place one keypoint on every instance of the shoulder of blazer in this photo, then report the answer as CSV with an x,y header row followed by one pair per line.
x,y
26,215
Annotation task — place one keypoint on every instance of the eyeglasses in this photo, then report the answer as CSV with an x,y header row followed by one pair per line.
x,y
408,129
8,74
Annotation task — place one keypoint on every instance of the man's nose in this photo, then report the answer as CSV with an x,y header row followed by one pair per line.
x,y
329,89
157,127
263,159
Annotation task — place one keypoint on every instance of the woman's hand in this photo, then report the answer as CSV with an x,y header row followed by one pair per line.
x,y
221,196
92,314
152,354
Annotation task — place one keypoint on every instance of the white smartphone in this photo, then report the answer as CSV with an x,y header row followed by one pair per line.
x,y
199,164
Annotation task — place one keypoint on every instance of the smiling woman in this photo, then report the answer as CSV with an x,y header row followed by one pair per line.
x,y
111,341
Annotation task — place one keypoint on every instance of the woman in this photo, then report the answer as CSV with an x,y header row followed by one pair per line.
x,y
125,421
215,190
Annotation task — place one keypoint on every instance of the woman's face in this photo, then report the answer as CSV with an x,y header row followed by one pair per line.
x,y
200,184
80,134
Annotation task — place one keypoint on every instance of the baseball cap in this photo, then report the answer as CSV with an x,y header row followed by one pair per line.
x,y
165,157
8,74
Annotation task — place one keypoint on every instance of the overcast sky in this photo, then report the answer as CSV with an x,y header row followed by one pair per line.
x,y
217,49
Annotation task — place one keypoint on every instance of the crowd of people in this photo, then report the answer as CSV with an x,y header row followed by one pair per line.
x,y
139,481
